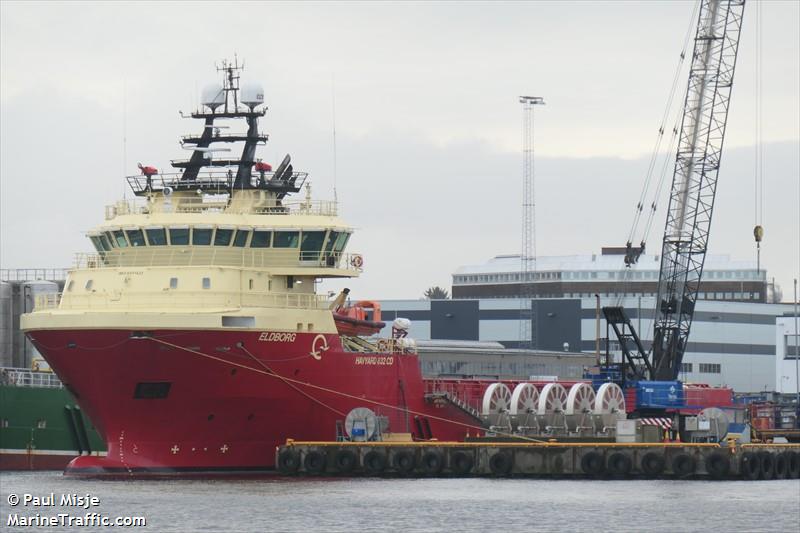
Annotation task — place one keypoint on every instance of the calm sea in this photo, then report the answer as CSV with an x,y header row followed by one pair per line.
x,y
357,505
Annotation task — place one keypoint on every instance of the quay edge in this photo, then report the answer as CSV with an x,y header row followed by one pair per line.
x,y
540,459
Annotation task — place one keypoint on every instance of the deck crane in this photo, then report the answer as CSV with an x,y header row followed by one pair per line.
x,y
691,203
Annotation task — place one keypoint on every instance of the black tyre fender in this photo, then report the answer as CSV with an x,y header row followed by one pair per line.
x,y
345,460
461,462
794,465
750,466
718,465
653,464
375,462
432,461
404,461
500,463
767,465
619,464
782,465
288,462
315,462
683,465
592,464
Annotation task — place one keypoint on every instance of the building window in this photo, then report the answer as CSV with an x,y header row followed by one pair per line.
x,y
686,367
790,346
710,368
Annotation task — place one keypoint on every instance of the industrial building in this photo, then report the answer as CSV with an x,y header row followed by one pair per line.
x,y
583,276
732,343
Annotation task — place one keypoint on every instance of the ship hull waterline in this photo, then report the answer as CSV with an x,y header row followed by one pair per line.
x,y
219,401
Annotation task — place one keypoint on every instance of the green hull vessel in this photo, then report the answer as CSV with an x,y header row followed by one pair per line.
x,y
41,425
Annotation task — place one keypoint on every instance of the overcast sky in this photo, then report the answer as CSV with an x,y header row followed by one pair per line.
x,y
427,119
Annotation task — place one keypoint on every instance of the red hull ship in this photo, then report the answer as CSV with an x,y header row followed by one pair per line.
x,y
194,338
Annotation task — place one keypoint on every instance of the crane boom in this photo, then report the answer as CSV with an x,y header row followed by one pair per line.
x,y
694,186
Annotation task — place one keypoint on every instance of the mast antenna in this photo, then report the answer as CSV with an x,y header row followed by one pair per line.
x,y
528,253
333,99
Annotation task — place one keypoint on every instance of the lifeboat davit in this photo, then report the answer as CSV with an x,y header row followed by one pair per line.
x,y
354,319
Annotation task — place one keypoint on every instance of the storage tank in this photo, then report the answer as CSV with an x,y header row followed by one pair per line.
x,y
6,325
26,301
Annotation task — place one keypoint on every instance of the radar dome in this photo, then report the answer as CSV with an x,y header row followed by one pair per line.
x,y
213,96
252,95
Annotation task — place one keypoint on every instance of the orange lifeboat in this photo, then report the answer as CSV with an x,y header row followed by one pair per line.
x,y
357,320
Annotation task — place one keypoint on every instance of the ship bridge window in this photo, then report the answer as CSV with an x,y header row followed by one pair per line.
x,y
156,236
241,237
135,236
223,237
201,236
119,238
178,236
99,244
341,242
332,236
286,239
110,239
261,239
311,244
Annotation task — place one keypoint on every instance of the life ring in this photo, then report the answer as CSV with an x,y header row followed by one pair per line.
x,y
357,261
432,461
500,464
653,464
288,462
794,465
345,461
461,462
767,465
592,464
314,462
718,465
375,462
619,464
404,461
683,465
750,466
782,465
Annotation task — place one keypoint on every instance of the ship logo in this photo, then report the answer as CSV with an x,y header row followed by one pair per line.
x,y
319,345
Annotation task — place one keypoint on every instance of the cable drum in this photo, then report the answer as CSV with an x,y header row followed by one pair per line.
x,y
496,405
522,410
550,410
578,409
609,406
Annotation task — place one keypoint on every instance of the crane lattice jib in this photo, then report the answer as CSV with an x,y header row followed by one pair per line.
x,y
694,183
